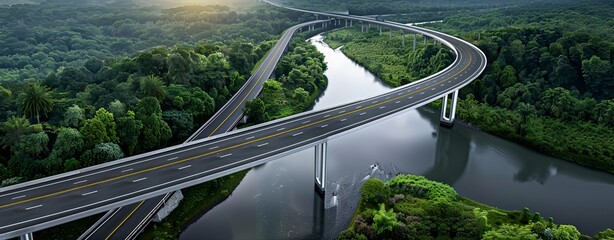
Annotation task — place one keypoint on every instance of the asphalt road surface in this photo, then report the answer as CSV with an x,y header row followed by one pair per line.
x,y
58,199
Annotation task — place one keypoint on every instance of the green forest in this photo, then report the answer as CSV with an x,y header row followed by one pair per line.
x,y
547,85
90,82
413,207
71,75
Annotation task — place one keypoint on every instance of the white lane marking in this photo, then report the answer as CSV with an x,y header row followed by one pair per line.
x,y
358,107
441,84
422,93
323,126
432,89
305,122
184,167
82,181
397,102
33,207
401,93
227,155
296,134
171,159
127,170
410,97
252,137
281,129
88,193
211,148
326,116
262,145
140,179
18,197
387,98
449,81
343,120
382,107
374,101
342,111
363,113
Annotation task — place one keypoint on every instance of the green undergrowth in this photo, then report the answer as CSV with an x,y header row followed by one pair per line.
x,y
386,57
413,207
197,201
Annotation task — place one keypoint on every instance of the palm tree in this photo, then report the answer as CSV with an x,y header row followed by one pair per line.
x,y
36,100
14,128
152,86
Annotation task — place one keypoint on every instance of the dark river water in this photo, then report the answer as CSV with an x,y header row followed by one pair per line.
x,y
277,200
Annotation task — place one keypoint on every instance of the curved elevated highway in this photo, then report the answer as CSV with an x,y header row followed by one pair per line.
x,y
46,202
127,221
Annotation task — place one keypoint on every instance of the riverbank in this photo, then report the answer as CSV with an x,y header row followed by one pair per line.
x,y
202,198
413,207
578,141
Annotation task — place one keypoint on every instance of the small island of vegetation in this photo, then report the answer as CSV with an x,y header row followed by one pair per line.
x,y
413,207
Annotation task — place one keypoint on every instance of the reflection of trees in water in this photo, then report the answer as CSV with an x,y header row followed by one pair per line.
x,y
453,148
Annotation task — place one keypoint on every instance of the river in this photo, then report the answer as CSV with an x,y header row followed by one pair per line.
x,y
277,200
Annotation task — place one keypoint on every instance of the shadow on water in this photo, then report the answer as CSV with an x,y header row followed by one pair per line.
x,y
277,200
451,157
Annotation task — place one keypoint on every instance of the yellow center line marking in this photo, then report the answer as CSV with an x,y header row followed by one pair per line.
x,y
226,148
126,218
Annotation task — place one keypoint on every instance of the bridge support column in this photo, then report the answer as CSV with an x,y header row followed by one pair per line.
x,y
380,30
424,37
320,168
350,23
447,119
403,38
27,236
414,42
346,23
390,34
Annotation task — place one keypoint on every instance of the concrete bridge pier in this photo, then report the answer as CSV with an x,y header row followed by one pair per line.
x,y
403,38
380,30
424,37
320,168
415,42
27,236
350,23
447,118
390,34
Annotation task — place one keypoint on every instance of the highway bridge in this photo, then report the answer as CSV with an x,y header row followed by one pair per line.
x,y
46,202
127,221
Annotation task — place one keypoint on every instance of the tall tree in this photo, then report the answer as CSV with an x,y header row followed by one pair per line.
x,y
36,100
152,86
74,116
13,129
